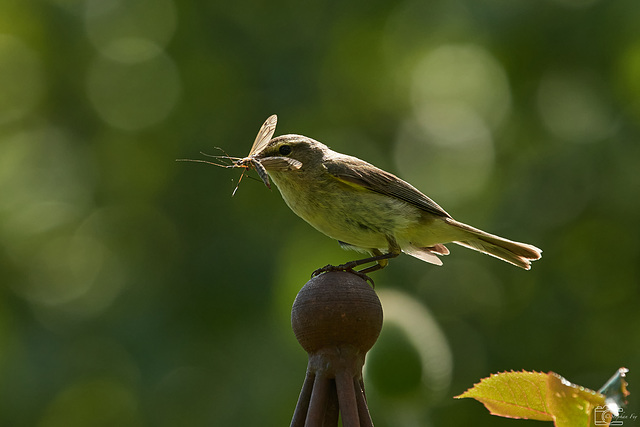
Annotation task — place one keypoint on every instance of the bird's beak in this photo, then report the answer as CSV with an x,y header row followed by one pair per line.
x,y
277,163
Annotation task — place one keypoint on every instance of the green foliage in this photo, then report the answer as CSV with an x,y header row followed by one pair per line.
x,y
549,397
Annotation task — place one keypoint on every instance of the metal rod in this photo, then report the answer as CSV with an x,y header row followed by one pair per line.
x,y
332,413
318,405
300,413
347,398
363,408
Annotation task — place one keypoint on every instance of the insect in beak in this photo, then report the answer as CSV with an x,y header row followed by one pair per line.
x,y
249,162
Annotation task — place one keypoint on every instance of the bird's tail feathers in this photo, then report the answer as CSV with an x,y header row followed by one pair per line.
x,y
428,254
516,253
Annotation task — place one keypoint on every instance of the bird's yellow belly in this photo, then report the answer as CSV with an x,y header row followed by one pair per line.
x,y
360,218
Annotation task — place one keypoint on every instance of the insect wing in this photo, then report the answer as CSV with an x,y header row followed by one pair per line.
x,y
264,135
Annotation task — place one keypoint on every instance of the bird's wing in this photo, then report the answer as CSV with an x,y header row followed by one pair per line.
x,y
357,172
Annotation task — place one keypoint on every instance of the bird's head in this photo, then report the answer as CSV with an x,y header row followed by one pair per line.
x,y
291,153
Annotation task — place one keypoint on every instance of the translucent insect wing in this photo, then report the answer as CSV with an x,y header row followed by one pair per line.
x,y
264,135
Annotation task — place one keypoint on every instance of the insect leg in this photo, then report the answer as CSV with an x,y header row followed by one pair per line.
x,y
238,185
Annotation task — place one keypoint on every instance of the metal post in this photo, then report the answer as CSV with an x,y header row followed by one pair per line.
x,y
336,317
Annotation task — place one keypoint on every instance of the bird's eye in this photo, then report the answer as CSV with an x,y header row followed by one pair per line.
x,y
284,149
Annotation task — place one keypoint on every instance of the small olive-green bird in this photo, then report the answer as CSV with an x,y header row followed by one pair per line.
x,y
366,208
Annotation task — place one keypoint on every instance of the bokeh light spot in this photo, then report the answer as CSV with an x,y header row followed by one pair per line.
x,y
133,96
572,110
459,93
465,74
107,21
43,185
64,269
449,155
131,50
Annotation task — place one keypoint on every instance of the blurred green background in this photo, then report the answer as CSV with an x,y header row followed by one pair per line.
x,y
136,292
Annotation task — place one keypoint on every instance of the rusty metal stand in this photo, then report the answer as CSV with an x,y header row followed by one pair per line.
x,y
337,318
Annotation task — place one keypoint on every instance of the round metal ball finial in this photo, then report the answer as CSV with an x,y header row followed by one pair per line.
x,y
336,317
336,308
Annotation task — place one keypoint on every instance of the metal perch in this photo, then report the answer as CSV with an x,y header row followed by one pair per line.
x,y
337,318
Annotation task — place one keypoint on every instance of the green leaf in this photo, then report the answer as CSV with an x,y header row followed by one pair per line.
x,y
572,405
513,394
550,397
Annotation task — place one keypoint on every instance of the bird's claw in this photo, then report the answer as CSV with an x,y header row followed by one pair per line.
x,y
348,267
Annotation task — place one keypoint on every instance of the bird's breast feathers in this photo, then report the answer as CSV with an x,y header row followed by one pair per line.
x,y
345,211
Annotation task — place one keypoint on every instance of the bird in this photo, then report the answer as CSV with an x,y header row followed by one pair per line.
x,y
366,208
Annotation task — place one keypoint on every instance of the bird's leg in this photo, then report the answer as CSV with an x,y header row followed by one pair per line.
x,y
381,260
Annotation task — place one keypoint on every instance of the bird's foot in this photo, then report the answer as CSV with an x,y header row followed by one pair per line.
x,y
348,267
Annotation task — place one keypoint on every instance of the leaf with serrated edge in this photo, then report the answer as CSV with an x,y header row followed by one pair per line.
x,y
513,395
571,405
